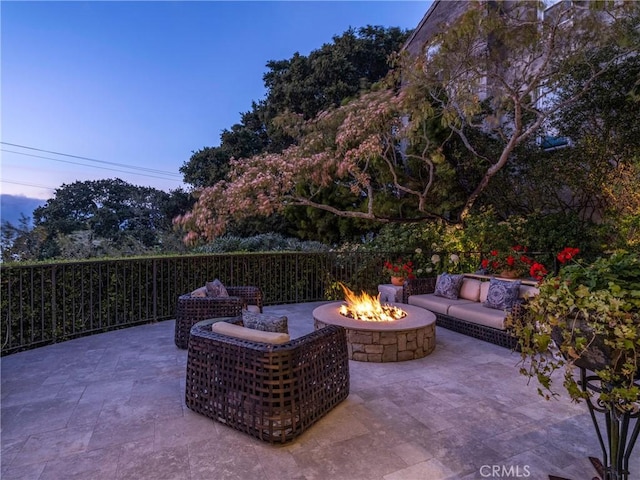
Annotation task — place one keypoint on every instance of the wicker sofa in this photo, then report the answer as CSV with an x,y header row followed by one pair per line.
x,y
271,392
191,310
466,314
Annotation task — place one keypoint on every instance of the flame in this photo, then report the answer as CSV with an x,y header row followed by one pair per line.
x,y
368,308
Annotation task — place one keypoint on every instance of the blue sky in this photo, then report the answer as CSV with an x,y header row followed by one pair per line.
x,y
144,84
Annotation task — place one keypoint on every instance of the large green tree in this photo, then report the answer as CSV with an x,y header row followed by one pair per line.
x,y
111,211
482,91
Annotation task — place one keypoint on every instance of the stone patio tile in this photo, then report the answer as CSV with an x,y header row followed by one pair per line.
x,y
429,469
341,425
45,415
22,472
166,464
183,430
359,458
98,464
51,445
106,434
231,456
116,402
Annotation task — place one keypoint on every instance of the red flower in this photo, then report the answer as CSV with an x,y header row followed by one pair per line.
x,y
537,271
511,260
399,268
567,254
494,253
485,263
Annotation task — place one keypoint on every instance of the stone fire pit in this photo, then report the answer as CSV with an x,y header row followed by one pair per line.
x,y
409,338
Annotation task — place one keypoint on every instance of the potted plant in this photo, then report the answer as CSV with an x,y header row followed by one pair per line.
x,y
399,270
586,320
512,263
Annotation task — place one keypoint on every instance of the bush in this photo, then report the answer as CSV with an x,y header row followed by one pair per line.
x,y
265,242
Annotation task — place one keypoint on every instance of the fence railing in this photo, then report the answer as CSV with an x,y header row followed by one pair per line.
x,y
51,302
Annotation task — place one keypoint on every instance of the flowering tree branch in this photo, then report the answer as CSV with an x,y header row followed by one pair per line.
x,y
386,155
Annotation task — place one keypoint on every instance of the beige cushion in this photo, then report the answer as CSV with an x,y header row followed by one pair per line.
x,y
470,289
528,291
476,313
434,303
252,309
199,292
484,291
248,334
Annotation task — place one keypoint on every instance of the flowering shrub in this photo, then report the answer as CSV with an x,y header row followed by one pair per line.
x,y
399,268
515,261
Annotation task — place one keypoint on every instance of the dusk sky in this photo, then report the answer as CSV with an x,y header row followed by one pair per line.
x,y
138,86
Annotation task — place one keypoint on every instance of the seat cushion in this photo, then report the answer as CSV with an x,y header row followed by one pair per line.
x,y
264,322
244,333
434,303
476,313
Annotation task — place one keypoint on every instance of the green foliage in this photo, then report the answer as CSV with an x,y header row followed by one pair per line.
x,y
268,242
303,85
592,312
98,218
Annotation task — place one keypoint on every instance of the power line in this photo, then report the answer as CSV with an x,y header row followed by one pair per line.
x,y
87,165
28,184
133,167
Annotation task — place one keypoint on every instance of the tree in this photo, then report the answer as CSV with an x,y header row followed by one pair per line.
x,y
484,88
21,242
303,85
103,213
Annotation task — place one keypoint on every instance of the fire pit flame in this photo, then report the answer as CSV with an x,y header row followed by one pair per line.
x,y
368,308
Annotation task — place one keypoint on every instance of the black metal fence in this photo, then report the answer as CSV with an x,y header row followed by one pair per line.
x,y
51,302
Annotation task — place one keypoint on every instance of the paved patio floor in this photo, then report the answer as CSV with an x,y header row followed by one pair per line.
x,y
111,406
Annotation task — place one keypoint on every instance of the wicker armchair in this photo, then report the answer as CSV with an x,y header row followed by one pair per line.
x,y
503,338
271,392
191,310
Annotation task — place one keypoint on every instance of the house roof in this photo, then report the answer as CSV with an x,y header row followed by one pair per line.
x,y
440,14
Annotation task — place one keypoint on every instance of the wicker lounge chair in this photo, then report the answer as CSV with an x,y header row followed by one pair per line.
x,y
271,392
191,310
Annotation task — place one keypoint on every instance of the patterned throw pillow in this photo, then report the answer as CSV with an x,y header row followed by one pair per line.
x,y
448,286
265,323
216,289
502,294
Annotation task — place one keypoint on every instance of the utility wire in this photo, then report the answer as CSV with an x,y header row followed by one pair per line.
x,y
87,165
27,184
133,167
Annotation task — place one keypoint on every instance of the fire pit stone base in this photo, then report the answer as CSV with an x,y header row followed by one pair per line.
x,y
380,341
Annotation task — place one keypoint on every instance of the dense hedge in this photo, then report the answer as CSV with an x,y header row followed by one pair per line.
x,y
50,302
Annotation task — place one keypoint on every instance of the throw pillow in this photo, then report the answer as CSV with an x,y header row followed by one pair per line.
x,y
265,323
216,289
502,294
448,286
